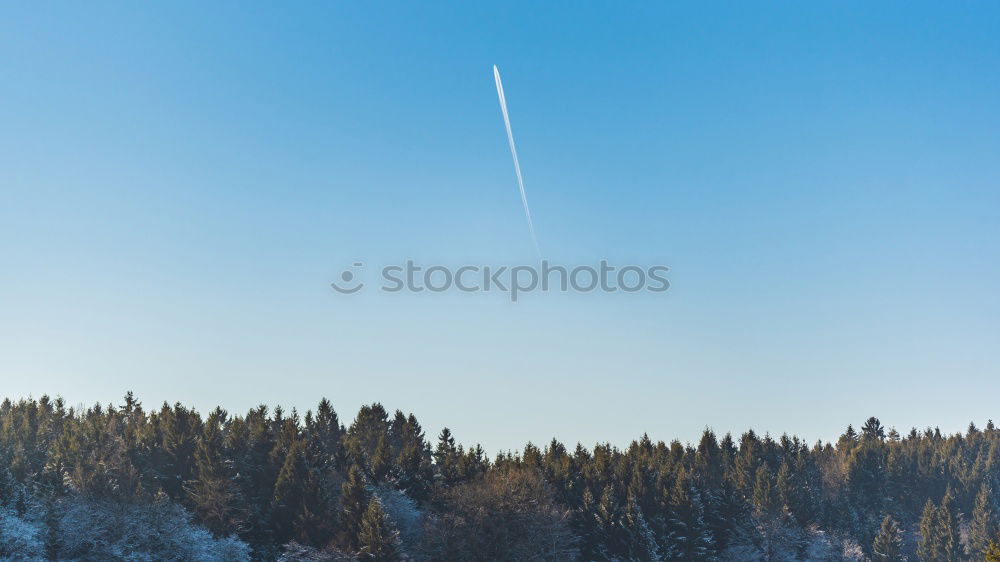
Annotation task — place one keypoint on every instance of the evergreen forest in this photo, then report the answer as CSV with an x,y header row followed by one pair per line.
x,y
126,482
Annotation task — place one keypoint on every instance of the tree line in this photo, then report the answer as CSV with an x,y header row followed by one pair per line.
x,y
125,483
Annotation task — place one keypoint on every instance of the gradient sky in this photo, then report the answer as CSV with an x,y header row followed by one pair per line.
x,y
179,183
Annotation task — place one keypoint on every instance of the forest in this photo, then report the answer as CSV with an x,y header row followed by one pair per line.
x,y
123,482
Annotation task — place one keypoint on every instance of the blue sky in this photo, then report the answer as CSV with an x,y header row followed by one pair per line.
x,y
179,184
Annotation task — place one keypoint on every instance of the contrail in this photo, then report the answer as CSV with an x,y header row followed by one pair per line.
x,y
517,165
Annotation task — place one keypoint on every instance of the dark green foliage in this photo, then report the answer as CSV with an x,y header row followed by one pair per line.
x,y
939,532
377,537
212,494
984,526
272,478
53,541
888,546
947,547
507,515
927,546
370,427
446,458
353,504
300,509
327,435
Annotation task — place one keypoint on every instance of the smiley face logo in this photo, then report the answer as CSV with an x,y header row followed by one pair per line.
x,y
347,278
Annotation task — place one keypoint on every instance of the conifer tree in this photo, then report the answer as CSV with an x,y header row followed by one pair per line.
x,y
253,438
53,538
301,507
353,505
212,493
872,430
888,546
983,527
587,525
362,440
377,537
787,492
179,431
927,545
688,534
446,458
763,495
328,434
288,493
708,460
643,546
850,436
412,465
947,547
609,517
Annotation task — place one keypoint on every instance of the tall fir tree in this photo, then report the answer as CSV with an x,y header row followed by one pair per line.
x,y
353,505
377,537
53,536
763,494
328,433
587,525
643,546
947,525
301,509
414,472
289,493
927,545
446,458
212,493
984,526
888,546
370,426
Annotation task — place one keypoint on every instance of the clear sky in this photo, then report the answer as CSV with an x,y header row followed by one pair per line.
x,y
179,184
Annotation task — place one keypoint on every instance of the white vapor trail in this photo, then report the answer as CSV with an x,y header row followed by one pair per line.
x,y
513,152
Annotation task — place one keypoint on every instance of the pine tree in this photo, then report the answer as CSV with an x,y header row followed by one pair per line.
x,y
643,546
377,537
53,537
254,439
179,433
446,457
785,487
328,434
301,507
872,430
763,495
413,464
888,546
984,523
212,493
688,534
612,531
947,548
927,546
362,440
288,493
587,525
353,502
